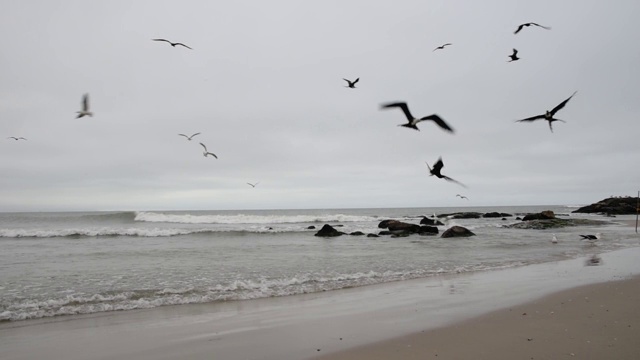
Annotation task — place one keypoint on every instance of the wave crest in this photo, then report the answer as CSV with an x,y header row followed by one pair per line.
x,y
248,219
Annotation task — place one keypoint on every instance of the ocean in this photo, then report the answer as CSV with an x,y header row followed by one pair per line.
x,y
67,263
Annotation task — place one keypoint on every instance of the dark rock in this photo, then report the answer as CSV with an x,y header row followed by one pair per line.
x,y
339,225
545,215
311,227
398,227
554,223
496,215
467,215
372,235
518,218
504,219
328,231
428,230
426,221
457,231
612,206
357,233
385,224
385,232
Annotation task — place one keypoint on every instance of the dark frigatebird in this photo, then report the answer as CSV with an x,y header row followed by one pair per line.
x,y
549,115
437,167
412,121
352,84
442,46
529,24
514,56
172,43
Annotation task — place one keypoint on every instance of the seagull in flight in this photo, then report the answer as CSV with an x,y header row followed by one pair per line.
x,y
206,152
411,121
189,137
172,43
16,138
85,107
437,167
442,46
514,56
253,185
549,115
529,24
352,84
458,195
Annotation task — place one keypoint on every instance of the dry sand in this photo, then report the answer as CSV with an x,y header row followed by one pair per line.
x,y
600,321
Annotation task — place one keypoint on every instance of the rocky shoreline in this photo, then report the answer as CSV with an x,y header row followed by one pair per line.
x,y
612,206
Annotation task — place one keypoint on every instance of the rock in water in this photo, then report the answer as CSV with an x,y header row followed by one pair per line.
x,y
612,206
328,231
457,231
545,215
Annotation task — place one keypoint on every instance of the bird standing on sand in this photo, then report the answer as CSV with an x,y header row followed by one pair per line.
x,y
352,84
529,24
16,138
172,43
554,239
85,107
461,196
514,56
253,185
189,137
437,167
206,152
549,114
442,46
412,121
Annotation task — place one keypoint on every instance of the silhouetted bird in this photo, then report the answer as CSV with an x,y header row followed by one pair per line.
x,y
189,137
442,46
514,56
352,84
206,152
413,121
85,107
253,185
436,170
461,196
549,114
591,237
172,43
529,24
16,138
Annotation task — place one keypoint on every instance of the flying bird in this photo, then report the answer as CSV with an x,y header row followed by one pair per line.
x,y
206,152
189,137
529,24
411,121
85,107
591,237
437,167
253,185
172,43
549,115
458,195
16,138
352,84
442,46
514,56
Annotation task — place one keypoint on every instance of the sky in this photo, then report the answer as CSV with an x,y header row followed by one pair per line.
x,y
264,87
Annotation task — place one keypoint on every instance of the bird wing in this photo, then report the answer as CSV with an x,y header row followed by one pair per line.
x,y
347,81
533,118
214,155
515,52
194,135
430,171
358,79
452,180
538,25
561,105
519,28
162,40
205,148
403,106
183,135
438,120
181,44
85,102
550,126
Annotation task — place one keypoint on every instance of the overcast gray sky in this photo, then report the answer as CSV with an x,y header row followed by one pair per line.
x,y
263,84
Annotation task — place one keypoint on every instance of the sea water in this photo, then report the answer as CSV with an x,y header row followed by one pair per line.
x,y
55,264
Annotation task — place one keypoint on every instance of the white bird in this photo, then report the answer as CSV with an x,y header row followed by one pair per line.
x,y
189,137
85,107
16,138
206,152
554,239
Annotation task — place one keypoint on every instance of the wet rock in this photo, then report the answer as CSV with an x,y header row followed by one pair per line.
x,y
328,231
545,215
496,215
554,223
357,233
311,227
372,235
428,230
426,221
457,231
612,206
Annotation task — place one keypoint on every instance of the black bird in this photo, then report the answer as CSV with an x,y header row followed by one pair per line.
x,y
85,107
442,46
462,196
206,152
529,24
352,84
437,167
16,138
413,121
253,185
591,237
189,137
172,43
514,56
549,114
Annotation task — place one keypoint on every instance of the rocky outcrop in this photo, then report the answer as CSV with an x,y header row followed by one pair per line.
x,y
545,215
457,231
357,233
372,235
612,206
554,223
328,231
311,227
432,222
496,215
396,227
428,230
463,215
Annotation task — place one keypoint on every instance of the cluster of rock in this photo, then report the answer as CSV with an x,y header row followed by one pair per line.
x,y
612,206
475,215
547,220
399,229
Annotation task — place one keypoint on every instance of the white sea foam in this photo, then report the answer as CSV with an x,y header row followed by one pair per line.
x,y
248,219
18,233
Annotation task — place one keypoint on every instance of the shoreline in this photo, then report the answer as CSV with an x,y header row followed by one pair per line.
x,y
296,327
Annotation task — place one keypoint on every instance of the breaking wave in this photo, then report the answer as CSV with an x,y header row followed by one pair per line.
x,y
248,219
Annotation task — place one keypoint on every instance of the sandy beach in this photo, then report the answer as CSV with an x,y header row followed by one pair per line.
x,y
588,311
